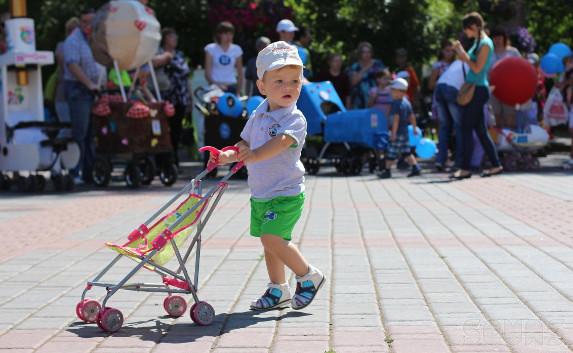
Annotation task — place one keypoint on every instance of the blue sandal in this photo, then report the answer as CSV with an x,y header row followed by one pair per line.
x,y
306,288
276,296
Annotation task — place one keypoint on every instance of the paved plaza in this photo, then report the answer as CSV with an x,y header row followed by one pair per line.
x,y
413,265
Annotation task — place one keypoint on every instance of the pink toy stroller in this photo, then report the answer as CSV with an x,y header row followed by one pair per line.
x,y
153,244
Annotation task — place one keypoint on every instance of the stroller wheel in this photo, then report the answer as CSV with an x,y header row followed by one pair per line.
x,y
147,170
132,175
372,164
88,310
79,310
357,165
26,184
337,164
175,305
5,182
101,172
534,163
58,181
510,162
168,174
312,166
68,182
110,320
40,182
202,313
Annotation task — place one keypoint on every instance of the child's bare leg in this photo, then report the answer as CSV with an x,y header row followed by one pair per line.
x,y
287,253
278,292
389,164
411,160
275,268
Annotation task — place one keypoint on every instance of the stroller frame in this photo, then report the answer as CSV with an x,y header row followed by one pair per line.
x,y
174,282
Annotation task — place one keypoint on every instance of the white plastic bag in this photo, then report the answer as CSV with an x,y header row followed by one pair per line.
x,y
555,111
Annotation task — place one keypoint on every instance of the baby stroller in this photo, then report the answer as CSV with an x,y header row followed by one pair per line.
x,y
518,150
347,139
225,118
134,133
153,244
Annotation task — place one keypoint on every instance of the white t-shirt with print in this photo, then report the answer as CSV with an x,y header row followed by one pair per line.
x,y
223,68
282,175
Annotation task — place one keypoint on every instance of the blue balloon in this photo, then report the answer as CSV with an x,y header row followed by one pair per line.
x,y
253,103
426,149
230,105
551,64
562,50
414,139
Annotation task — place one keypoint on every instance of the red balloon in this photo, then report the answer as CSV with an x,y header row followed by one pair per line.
x,y
515,80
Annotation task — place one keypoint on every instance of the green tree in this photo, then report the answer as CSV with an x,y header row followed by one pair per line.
x,y
417,25
550,22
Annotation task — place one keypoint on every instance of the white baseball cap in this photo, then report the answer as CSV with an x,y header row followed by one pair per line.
x,y
277,55
399,84
286,26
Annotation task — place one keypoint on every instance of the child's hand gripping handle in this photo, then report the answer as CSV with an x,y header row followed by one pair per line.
x,y
212,164
239,164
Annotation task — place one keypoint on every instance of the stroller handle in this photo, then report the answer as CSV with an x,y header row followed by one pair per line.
x,y
216,152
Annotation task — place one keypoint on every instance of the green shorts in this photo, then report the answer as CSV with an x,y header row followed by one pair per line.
x,y
276,216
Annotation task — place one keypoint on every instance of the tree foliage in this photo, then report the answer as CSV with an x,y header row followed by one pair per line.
x,y
550,22
337,25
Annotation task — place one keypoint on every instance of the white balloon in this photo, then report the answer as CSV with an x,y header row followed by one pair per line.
x,y
127,32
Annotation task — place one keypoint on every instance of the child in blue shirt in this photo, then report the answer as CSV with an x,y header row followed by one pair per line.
x,y
270,146
400,114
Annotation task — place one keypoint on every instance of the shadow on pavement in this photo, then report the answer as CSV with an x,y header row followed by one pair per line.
x,y
160,331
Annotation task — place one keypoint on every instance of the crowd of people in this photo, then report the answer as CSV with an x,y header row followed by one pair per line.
x,y
364,82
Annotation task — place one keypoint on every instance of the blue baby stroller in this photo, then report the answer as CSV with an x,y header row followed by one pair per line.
x,y
347,139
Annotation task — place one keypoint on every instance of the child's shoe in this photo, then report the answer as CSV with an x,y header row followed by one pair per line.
x,y
385,174
276,296
416,170
306,288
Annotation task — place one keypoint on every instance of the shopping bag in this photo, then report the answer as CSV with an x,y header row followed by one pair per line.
x,y
555,111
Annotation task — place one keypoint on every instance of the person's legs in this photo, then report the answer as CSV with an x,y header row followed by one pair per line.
x,y
80,102
278,253
286,253
481,129
466,127
175,128
390,158
445,125
571,152
275,267
456,113
415,169
89,158
63,113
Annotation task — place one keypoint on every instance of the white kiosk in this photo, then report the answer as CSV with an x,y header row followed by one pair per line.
x,y
29,144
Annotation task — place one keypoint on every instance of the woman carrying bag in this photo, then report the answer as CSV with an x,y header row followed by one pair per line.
x,y
474,94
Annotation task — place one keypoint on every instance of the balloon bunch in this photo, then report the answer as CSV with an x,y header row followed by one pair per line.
x,y
552,62
425,148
